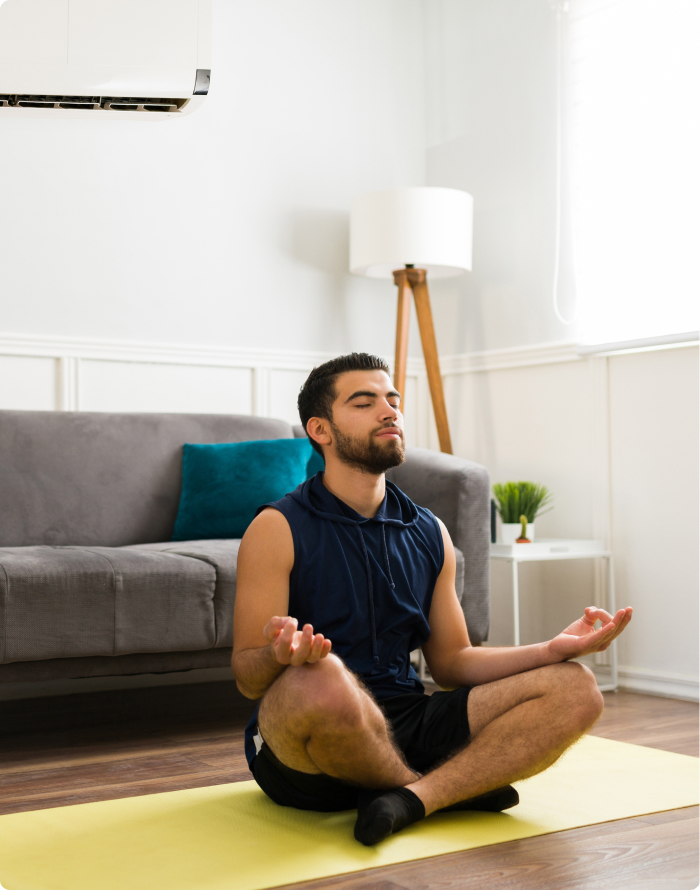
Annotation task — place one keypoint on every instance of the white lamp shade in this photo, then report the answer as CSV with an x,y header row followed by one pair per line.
x,y
430,228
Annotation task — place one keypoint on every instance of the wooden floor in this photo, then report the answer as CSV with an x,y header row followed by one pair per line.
x,y
99,746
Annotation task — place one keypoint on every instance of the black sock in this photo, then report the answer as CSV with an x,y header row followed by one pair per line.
x,y
491,802
381,813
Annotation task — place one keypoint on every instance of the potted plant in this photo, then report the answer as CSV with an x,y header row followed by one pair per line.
x,y
518,503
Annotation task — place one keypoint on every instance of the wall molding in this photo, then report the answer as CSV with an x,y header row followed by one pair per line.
x,y
160,353
68,383
689,338
663,683
514,357
94,349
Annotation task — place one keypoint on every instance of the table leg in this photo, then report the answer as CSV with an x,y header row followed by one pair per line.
x,y
612,608
516,603
612,686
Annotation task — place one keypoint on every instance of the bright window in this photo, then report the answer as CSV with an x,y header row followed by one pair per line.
x,y
633,89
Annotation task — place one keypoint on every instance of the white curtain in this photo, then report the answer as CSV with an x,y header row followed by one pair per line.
x,y
633,112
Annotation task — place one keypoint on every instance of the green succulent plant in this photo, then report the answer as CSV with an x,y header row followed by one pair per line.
x,y
516,499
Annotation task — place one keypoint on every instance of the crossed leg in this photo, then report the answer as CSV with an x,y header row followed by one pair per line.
x,y
317,718
519,726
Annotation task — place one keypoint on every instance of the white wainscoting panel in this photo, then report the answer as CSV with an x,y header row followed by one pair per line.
x,y
28,383
192,389
654,472
284,391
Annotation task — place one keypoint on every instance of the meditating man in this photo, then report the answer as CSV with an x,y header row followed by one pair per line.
x,y
338,582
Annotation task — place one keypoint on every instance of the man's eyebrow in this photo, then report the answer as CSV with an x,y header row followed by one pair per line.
x,y
371,395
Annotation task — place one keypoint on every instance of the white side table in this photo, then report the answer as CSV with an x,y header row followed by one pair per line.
x,y
557,549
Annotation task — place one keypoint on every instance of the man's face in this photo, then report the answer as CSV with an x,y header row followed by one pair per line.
x,y
367,425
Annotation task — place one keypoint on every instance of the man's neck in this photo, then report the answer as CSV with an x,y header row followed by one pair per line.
x,y
363,492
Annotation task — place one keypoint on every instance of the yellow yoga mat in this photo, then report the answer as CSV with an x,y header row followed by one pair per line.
x,y
231,837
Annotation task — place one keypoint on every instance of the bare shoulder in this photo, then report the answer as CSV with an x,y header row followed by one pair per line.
x,y
265,561
447,540
269,537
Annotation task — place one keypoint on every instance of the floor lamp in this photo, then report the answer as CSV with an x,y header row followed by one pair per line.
x,y
407,234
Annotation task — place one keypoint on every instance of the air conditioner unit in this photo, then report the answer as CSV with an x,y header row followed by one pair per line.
x,y
144,59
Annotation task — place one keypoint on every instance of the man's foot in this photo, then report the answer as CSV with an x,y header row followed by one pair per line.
x,y
491,802
381,813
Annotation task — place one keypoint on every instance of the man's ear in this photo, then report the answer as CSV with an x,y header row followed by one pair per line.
x,y
318,429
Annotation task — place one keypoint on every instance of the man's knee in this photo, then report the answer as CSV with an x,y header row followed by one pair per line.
x,y
577,686
324,690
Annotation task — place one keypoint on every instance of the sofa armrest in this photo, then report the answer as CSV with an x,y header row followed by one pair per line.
x,y
458,492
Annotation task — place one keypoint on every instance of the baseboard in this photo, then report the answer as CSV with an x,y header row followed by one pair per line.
x,y
662,683
44,688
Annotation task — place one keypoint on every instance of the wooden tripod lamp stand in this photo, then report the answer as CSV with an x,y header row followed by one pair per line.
x,y
407,234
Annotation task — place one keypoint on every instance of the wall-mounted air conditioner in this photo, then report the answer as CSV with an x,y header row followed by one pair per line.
x,y
146,59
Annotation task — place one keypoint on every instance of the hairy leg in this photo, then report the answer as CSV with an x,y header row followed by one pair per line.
x,y
317,718
519,726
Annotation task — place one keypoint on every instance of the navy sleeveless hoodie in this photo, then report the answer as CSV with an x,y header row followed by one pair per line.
x,y
365,584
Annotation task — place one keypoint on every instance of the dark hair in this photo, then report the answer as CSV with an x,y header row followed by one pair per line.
x,y
318,393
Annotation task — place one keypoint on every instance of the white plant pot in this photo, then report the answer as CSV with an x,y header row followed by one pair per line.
x,y
510,532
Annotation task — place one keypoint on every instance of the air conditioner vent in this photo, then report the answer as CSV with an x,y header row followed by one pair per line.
x,y
94,103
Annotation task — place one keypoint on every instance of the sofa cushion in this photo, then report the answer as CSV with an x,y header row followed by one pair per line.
x,y
222,554
58,602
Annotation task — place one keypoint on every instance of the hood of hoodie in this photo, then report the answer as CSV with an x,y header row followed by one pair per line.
x,y
396,510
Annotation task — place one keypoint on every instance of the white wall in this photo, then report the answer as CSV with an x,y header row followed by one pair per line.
x,y
228,227
654,487
491,101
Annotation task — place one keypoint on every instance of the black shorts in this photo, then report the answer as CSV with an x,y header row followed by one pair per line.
x,y
427,728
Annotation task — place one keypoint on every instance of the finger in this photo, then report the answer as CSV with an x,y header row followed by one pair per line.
x,y
593,613
613,630
592,641
618,630
302,646
326,648
283,643
316,647
618,621
627,617
274,626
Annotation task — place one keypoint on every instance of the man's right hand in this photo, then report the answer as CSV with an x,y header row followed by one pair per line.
x,y
292,646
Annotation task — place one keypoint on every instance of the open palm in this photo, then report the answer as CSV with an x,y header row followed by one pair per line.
x,y
581,637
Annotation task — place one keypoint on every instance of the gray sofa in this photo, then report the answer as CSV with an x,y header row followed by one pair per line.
x,y
90,583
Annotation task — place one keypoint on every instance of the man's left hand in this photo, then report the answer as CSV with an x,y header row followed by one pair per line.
x,y
581,638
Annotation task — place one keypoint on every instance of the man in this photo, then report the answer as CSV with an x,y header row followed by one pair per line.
x,y
348,562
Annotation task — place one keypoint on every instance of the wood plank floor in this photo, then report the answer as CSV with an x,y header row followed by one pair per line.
x,y
99,746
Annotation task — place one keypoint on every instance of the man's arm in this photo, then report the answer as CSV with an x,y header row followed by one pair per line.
x,y
265,638
453,661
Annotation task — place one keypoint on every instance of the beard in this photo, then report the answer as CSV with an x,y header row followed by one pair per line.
x,y
369,455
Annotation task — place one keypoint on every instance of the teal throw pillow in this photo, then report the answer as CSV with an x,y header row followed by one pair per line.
x,y
315,463
224,484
